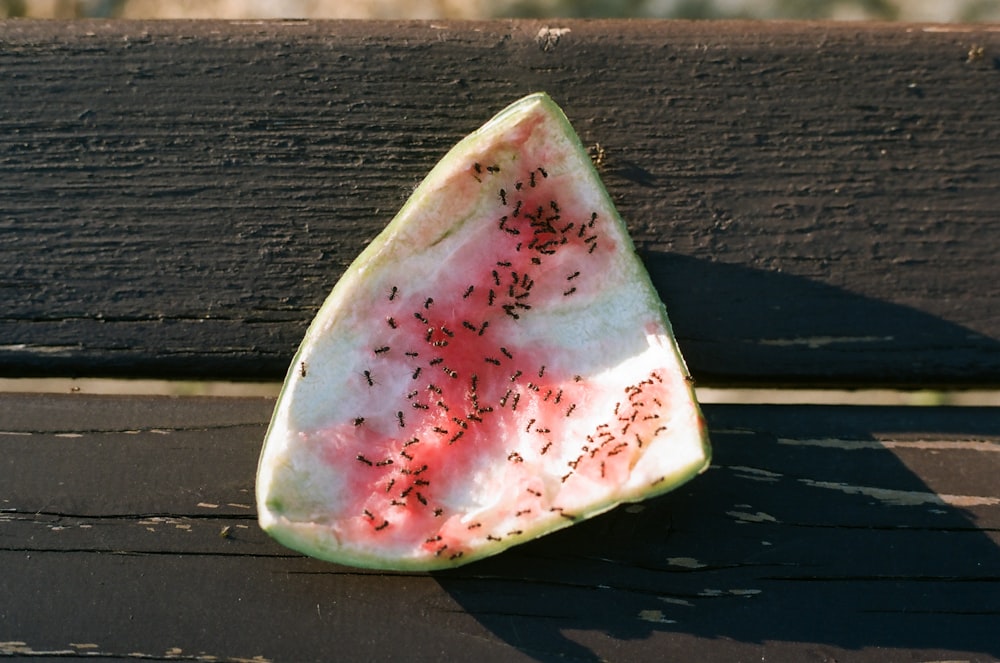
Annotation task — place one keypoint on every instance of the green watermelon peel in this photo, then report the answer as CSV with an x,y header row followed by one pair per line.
x,y
494,366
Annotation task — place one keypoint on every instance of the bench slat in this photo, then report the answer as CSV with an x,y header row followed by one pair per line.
x,y
127,528
817,202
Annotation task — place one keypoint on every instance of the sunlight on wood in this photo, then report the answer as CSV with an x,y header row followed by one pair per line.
x,y
969,398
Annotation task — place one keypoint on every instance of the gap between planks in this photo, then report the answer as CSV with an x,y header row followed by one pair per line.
x,y
768,396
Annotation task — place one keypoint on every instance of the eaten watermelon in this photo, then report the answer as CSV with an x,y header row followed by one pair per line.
x,y
494,366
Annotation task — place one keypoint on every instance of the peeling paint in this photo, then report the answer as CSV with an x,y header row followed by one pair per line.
x,y
655,616
158,520
905,497
548,38
39,349
21,648
935,445
673,601
685,562
745,592
729,592
815,342
755,473
759,517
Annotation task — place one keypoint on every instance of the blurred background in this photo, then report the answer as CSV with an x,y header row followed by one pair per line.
x,y
892,10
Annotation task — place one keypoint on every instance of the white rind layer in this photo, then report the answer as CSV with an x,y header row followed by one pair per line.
x,y
621,327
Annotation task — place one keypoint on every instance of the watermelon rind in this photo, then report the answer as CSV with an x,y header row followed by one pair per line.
x,y
338,437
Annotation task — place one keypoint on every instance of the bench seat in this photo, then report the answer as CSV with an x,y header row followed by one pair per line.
x,y
816,203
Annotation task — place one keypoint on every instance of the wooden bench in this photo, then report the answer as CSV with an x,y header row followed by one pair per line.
x,y
818,204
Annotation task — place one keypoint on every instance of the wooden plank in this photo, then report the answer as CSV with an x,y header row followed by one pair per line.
x,y
850,533
816,201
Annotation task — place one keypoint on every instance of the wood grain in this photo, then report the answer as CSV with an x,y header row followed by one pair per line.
x,y
816,202
127,529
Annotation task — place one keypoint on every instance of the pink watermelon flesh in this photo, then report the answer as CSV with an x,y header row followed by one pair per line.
x,y
496,365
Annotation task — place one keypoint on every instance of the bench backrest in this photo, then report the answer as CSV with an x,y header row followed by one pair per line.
x,y
816,203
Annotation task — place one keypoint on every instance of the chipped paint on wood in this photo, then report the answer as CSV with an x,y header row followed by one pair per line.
x,y
905,497
655,616
757,517
685,562
676,601
816,342
729,592
755,473
936,445
19,648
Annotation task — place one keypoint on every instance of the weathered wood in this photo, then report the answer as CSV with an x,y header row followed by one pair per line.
x,y
127,529
816,202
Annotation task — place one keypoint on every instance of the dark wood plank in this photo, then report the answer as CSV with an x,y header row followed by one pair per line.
x,y
848,533
816,202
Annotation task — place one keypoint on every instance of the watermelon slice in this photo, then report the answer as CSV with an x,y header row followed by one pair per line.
x,y
496,365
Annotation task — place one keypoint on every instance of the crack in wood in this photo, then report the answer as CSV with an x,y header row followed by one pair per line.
x,y
155,430
147,553
91,651
894,497
124,516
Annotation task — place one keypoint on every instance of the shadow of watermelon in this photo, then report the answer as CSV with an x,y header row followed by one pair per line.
x,y
841,546
738,325
784,541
